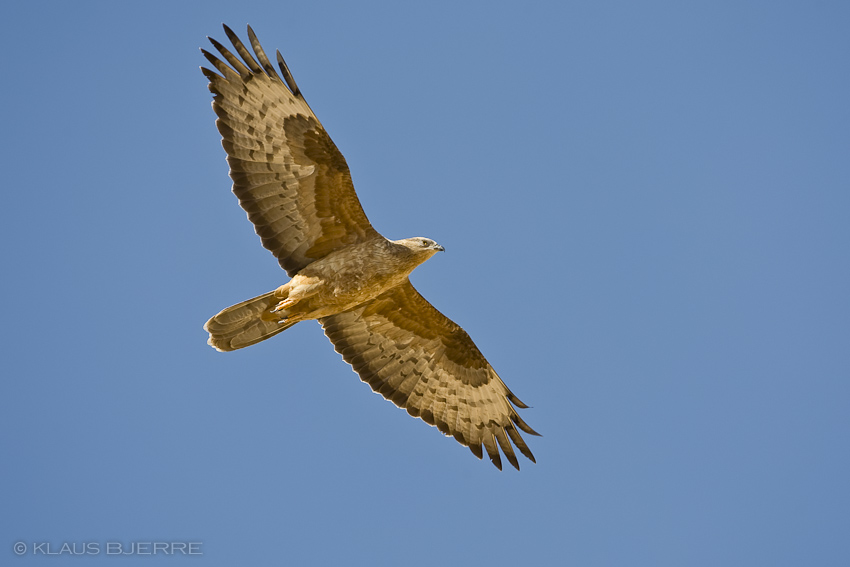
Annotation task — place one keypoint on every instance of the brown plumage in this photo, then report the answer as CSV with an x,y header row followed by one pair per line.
x,y
296,188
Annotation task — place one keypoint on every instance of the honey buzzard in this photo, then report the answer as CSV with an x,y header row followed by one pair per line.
x,y
296,188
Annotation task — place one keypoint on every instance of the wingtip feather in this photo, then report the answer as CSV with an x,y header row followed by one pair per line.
x,y
506,448
287,76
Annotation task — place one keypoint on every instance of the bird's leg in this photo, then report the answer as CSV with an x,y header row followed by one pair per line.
x,y
293,298
284,304
282,293
275,313
285,316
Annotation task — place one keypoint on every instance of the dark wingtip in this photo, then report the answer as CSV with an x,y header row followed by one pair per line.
x,y
251,35
516,401
287,76
261,54
215,43
231,35
209,56
210,75
523,425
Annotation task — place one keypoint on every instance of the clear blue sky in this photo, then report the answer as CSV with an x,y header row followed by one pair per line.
x,y
646,211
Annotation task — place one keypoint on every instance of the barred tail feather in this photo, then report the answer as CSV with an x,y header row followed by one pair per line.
x,y
245,323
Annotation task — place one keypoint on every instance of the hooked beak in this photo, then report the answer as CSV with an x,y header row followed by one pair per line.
x,y
439,248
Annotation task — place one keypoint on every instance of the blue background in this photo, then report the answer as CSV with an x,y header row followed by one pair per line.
x,y
645,207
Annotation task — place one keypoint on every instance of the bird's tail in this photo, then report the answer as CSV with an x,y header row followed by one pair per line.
x,y
245,323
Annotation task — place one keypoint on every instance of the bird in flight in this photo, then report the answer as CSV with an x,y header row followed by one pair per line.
x,y
296,188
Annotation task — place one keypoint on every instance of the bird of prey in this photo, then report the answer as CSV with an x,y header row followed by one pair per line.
x,y
296,188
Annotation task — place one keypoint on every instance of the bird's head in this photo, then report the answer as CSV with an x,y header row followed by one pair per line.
x,y
421,246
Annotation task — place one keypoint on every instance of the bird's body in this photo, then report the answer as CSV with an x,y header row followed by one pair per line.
x,y
342,280
296,188
353,275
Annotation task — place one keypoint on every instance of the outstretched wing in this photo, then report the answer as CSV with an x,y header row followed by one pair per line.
x,y
419,359
287,173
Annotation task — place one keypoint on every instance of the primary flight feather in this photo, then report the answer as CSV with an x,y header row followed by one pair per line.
x,y
296,188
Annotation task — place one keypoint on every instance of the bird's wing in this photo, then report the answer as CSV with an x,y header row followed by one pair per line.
x,y
419,359
287,173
